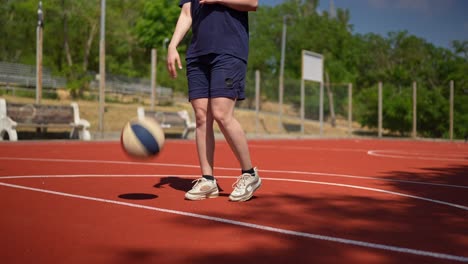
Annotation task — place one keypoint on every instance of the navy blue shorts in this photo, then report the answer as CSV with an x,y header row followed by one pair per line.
x,y
216,75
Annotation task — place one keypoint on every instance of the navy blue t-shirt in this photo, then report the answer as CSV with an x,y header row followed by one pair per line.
x,y
218,29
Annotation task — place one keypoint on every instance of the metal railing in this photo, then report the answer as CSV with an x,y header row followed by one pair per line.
x,y
15,74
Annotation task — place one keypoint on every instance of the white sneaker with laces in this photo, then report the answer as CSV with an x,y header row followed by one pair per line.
x,y
203,189
245,186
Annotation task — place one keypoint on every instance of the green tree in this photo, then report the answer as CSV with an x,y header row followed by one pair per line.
x,y
126,57
154,28
18,31
133,28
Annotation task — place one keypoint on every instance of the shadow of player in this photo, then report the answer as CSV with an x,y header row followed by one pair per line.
x,y
177,183
137,196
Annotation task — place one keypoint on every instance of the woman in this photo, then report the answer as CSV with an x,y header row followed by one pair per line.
x,y
216,68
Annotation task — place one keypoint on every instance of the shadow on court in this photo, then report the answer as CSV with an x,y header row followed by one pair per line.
x,y
137,196
371,217
453,175
179,184
404,224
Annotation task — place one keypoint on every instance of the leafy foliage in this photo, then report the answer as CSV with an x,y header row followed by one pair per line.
x,y
134,27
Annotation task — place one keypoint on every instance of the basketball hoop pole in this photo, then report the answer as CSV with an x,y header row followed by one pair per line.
x,y
312,70
39,33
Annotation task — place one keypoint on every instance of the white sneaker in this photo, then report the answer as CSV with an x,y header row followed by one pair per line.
x,y
245,186
203,189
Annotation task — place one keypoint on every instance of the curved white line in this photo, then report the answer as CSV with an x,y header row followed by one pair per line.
x,y
231,177
364,177
309,148
256,226
233,169
375,190
378,153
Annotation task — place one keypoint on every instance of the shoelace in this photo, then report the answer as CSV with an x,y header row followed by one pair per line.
x,y
240,183
197,181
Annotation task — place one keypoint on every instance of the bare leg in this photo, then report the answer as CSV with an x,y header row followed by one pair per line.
x,y
204,135
223,112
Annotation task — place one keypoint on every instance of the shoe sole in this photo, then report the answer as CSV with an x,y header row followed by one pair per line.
x,y
248,197
201,197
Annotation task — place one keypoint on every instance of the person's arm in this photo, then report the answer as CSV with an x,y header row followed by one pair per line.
x,y
183,25
240,5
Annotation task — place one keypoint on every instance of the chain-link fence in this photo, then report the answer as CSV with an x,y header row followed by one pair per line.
x,y
388,111
381,110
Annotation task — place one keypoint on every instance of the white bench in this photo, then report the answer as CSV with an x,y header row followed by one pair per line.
x,y
41,117
171,122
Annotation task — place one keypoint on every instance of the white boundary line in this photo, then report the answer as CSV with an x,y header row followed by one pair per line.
x,y
408,155
309,148
231,177
255,226
233,169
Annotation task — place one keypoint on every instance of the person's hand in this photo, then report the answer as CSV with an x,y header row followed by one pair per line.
x,y
173,61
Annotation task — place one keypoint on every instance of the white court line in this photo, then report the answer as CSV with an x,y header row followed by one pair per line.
x,y
255,226
409,155
309,148
234,169
231,177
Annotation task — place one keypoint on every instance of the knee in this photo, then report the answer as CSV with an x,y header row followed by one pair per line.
x,y
202,118
222,118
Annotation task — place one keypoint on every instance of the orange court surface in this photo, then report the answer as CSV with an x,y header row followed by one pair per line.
x,y
321,201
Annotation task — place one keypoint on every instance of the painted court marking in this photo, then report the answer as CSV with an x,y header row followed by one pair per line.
x,y
379,153
231,177
418,156
255,226
231,169
310,148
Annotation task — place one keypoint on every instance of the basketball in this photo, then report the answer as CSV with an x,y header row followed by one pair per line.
x,y
142,138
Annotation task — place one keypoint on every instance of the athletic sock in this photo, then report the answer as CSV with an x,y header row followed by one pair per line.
x,y
251,171
208,177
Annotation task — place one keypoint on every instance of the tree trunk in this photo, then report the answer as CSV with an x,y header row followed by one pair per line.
x,y
66,46
89,44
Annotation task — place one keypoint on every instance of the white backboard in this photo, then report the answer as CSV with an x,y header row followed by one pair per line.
x,y
312,66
